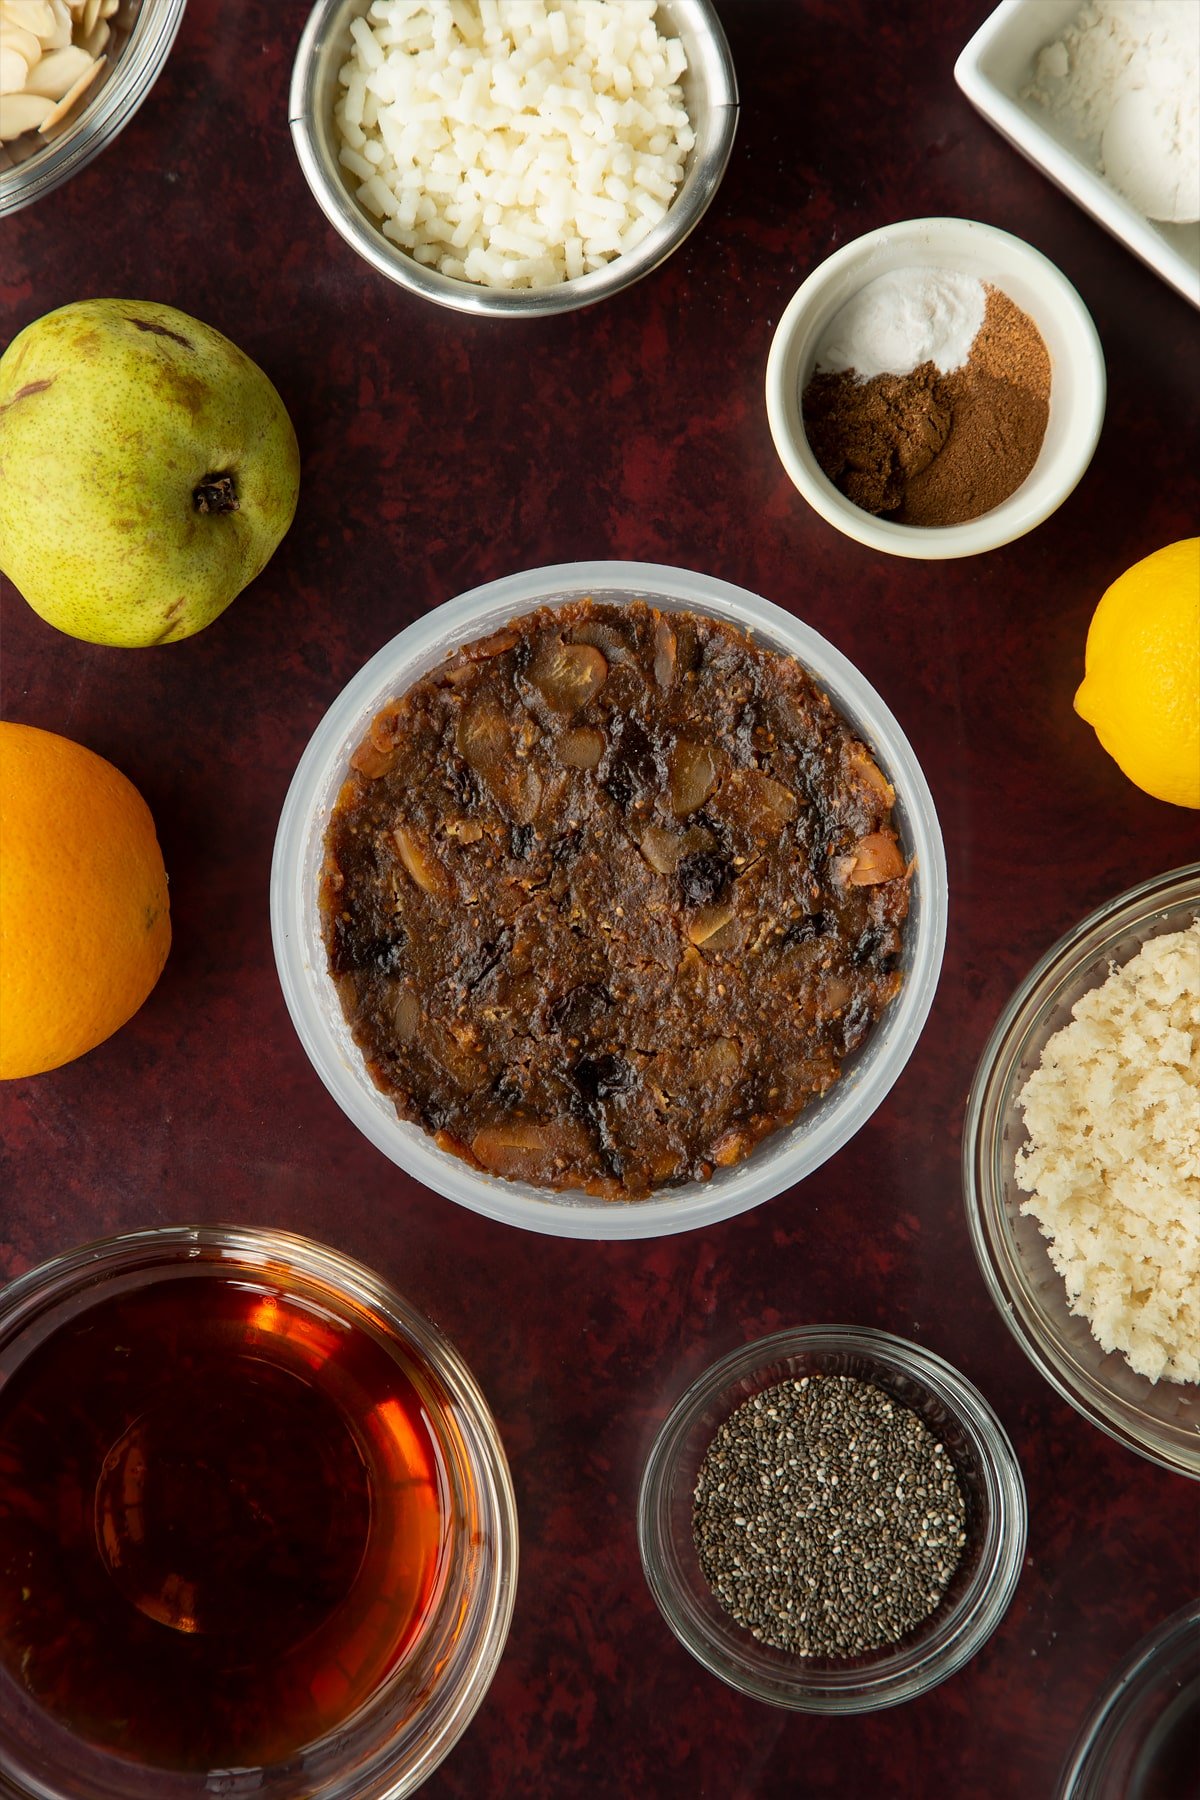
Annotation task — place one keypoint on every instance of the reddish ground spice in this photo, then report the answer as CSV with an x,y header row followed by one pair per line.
x,y
929,449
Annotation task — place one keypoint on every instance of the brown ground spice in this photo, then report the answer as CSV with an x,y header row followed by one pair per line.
x,y
933,449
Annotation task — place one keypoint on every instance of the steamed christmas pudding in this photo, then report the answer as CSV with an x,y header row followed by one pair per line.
x,y
610,896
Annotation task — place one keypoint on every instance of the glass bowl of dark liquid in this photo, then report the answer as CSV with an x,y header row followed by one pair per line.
x,y
257,1530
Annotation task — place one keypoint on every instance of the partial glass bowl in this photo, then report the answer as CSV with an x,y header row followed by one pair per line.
x,y
980,1589
401,1733
1141,1740
142,34
784,1158
711,95
1160,1420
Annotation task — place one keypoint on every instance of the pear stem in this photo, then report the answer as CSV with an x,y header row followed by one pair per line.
x,y
215,494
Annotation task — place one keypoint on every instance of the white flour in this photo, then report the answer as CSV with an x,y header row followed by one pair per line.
x,y
1124,80
903,319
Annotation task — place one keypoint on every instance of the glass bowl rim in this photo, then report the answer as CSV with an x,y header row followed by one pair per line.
x,y
987,1216
105,115
979,1608
785,1157
382,1775
1128,1683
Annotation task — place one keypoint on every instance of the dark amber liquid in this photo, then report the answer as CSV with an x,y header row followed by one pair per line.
x,y
223,1522
1168,1765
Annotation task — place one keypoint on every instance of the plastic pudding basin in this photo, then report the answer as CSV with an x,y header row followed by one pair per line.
x,y
783,1159
979,1591
1159,1419
1077,390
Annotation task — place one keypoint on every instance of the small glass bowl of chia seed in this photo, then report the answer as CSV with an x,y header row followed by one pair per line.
x,y
842,1606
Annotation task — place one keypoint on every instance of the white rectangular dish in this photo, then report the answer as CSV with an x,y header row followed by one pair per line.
x,y
994,70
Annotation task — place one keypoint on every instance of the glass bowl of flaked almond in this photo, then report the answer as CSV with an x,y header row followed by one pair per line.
x,y
72,75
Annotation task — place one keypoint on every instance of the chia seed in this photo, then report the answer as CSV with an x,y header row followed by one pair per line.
x,y
827,1518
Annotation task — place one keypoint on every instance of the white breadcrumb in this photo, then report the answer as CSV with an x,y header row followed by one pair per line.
x,y
1113,1159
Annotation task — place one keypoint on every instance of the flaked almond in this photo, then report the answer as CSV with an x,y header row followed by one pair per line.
x,y
21,113
91,13
567,676
72,94
482,737
406,1015
14,70
664,653
60,37
606,638
662,849
96,39
487,647
519,791
731,936
694,773
371,761
581,748
421,863
36,16
705,924
385,730
527,1150
463,831
836,993
730,1148
719,1060
23,42
755,805
875,858
456,1054
865,773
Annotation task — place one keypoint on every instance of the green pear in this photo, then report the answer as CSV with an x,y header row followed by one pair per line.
x,y
148,470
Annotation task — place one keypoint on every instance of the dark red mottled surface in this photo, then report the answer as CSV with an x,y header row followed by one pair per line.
x,y
438,453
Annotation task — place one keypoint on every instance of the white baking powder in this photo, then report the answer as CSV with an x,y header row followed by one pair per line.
x,y
1124,82
903,319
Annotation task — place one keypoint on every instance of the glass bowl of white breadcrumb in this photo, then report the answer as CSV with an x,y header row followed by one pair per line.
x,y
1081,1168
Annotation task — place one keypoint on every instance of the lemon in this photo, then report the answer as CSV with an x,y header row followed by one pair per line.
x,y
1141,684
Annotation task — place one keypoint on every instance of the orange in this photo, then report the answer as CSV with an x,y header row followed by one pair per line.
x,y
84,922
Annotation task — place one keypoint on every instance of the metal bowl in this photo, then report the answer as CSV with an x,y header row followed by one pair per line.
x,y
710,91
142,34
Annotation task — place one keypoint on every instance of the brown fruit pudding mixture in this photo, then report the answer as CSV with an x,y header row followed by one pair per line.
x,y
609,896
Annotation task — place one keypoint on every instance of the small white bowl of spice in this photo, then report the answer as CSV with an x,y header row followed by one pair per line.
x,y
936,388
